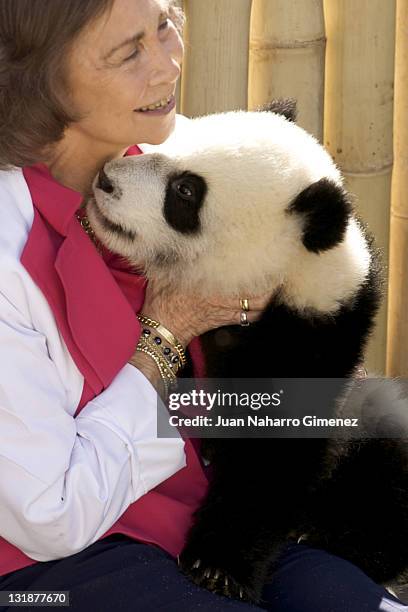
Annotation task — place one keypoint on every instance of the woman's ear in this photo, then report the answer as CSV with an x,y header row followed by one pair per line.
x,y
325,208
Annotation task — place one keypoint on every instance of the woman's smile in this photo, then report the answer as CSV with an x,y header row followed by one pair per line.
x,y
162,109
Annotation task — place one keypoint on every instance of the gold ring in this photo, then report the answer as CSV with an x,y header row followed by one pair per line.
x,y
244,303
243,319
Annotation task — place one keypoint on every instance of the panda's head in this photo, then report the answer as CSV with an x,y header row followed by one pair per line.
x,y
238,203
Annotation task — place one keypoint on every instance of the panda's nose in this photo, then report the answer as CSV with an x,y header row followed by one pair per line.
x,y
104,182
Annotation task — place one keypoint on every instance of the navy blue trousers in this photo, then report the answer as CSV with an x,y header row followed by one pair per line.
x,y
118,572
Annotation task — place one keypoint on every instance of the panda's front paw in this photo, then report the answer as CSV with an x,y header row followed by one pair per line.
x,y
220,580
215,580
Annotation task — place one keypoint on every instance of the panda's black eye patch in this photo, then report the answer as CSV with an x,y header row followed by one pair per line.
x,y
185,194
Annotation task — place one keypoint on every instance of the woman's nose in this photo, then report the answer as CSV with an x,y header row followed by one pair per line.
x,y
165,67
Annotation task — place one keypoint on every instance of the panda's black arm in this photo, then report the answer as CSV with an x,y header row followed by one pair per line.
x,y
283,344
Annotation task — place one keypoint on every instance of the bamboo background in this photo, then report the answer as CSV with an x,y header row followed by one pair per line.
x,y
338,58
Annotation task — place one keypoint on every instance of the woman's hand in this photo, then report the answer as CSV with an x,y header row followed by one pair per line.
x,y
190,315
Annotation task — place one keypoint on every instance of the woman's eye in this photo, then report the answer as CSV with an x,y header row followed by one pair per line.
x,y
134,54
162,26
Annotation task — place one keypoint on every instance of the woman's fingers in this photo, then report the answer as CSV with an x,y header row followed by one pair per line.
x,y
190,315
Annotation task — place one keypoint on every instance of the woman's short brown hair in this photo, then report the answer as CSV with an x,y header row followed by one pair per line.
x,y
34,38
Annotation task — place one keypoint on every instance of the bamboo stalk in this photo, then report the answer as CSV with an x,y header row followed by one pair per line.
x,y
287,51
397,346
180,4
178,94
215,71
358,118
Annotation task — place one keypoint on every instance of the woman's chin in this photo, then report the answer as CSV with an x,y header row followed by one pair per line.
x,y
162,133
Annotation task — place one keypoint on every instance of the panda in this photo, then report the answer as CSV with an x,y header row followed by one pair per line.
x,y
245,203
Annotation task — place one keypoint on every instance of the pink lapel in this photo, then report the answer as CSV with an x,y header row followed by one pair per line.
x,y
99,326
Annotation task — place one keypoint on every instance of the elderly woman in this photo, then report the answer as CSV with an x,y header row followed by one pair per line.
x,y
91,501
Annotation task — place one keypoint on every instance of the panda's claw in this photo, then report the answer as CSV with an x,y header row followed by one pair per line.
x,y
215,579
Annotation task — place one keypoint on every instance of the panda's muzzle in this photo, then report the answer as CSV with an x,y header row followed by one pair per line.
x,y
111,226
104,182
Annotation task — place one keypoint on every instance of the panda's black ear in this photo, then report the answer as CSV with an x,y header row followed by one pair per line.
x,y
281,106
325,208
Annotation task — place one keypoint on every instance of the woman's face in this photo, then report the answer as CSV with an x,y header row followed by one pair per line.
x,y
128,59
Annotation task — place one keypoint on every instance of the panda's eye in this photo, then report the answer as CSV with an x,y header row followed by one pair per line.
x,y
185,189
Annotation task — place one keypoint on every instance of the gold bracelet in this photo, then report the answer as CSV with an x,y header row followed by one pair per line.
x,y
167,335
171,366
167,376
140,349
164,366
164,332
172,340
162,350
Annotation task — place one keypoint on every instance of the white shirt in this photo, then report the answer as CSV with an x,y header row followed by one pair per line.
x,y
63,481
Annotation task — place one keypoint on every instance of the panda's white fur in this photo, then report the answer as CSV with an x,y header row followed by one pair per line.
x,y
254,165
